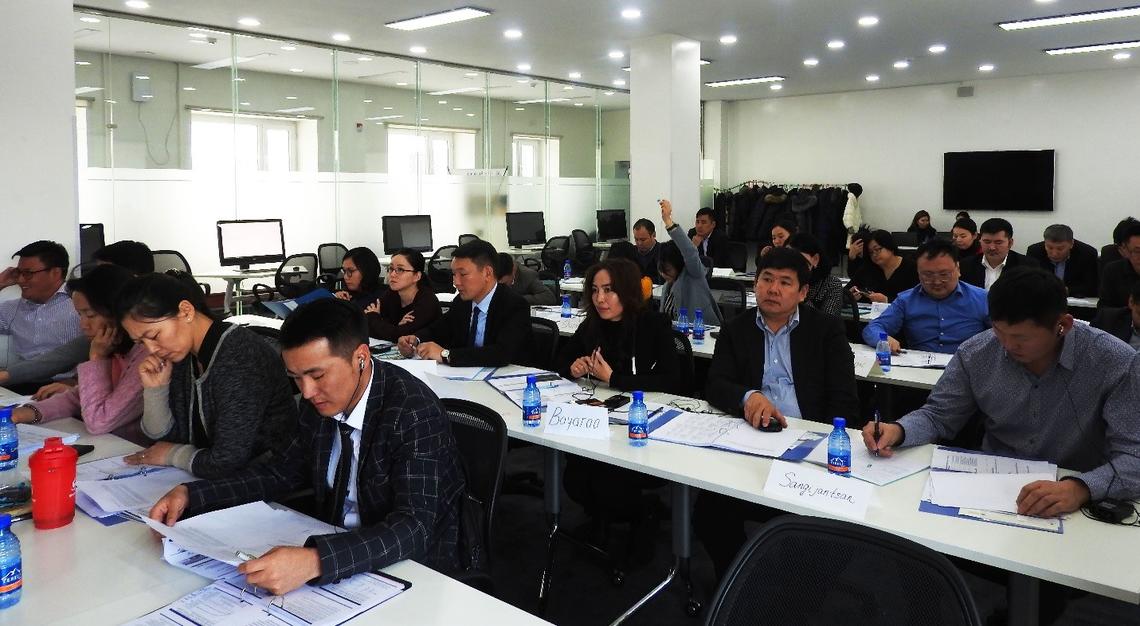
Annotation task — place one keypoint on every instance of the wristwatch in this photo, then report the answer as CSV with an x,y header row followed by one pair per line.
x,y
446,356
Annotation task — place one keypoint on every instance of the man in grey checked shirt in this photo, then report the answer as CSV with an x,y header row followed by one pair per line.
x,y
1048,389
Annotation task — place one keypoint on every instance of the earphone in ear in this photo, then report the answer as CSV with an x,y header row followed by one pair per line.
x,y
362,364
1060,330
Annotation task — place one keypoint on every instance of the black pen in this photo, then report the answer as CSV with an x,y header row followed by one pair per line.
x,y
876,450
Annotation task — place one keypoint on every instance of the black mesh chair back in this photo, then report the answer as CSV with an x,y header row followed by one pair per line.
x,y
737,256
439,270
554,254
545,343
582,251
905,238
297,275
330,256
272,336
734,300
532,263
481,436
807,570
165,260
467,238
688,367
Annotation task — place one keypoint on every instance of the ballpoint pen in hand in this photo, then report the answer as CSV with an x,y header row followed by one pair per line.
x,y
876,451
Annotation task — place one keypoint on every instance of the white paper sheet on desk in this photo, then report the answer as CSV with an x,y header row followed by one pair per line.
x,y
113,467
465,373
745,438
134,493
865,359
204,566
447,388
919,358
555,391
251,528
988,492
729,433
419,368
981,463
32,437
874,469
7,398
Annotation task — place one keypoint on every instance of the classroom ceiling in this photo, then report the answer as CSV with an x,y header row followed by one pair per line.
x,y
773,37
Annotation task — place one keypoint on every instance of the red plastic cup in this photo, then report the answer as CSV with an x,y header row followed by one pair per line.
x,y
53,484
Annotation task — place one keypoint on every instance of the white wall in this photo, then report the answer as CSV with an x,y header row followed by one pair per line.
x,y
892,142
37,161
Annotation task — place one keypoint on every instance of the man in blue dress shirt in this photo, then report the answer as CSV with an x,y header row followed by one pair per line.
x,y
937,315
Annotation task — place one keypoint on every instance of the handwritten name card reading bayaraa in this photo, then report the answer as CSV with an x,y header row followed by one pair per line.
x,y
818,489
577,420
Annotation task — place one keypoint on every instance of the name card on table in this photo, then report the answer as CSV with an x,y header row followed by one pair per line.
x,y
818,489
577,420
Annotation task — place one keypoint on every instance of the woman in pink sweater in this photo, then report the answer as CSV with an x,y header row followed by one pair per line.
x,y
109,395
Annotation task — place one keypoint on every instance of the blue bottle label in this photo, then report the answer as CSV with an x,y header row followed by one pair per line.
x,y
637,431
9,455
838,464
532,413
11,577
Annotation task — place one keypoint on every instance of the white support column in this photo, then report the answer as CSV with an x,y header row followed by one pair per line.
x,y
37,121
664,128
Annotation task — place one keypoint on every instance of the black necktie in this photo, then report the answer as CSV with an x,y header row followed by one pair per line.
x,y
340,478
471,336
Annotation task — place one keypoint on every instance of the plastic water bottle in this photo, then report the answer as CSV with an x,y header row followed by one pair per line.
x,y
532,403
698,327
11,574
839,448
566,310
683,320
566,269
883,352
10,479
638,421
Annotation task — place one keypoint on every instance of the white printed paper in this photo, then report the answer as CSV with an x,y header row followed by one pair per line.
x,y
202,565
919,358
877,470
465,373
865,360
553,389
726,433
806,485
135,493
577,420
981,463
419,368
988,492
32,437
447,388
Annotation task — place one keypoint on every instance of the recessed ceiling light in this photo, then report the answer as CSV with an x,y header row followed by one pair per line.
x,y
137,4
456,108
1045,1
619,83
201,41
363,59
244,104
367,101
423,119
1121,56
251,22
522,81
704,62
401,84
520,108
288,48
198,35
836,44
523,67
417,50
728,40
631,14
438,19
575,75
290,97
1100,47
745,81
383,117
936,49
868,20
448,92
617,54
83,62
512,33
341,37
577,104
296,110
296,70
811,62
443,101
111,101
608,93
775,87
239,79
627,69
986,67
471,74
1075,18
902,65
540,100
388,108
189,89
87,19
568,88
872,78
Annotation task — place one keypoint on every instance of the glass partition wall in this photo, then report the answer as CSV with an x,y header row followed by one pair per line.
x,y
180,126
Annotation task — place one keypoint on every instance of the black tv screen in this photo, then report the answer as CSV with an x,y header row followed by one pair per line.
x,y
1006,180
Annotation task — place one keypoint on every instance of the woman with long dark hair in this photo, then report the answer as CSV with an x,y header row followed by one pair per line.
x,y
409,304
361,271
887,275
921,227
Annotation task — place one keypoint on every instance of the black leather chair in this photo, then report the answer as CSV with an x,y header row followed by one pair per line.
x,y
545,342
738,256
688,366
295,277
467,238
554,254
808,570
481,436
439,270
166,260
735,301
582,251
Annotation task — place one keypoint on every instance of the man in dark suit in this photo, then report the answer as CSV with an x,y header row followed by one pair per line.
x,y
711,242
1122,322
778,360
373,443
1074,262
488,327
1119,276
997,240
523,281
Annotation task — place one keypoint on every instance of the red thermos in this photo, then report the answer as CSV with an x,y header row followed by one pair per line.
x,y
53,484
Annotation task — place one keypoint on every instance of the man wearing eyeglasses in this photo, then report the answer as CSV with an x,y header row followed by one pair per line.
x,y
940,313
41,320
1119,276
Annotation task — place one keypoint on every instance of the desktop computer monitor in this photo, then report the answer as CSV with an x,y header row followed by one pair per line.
x,y
407,231
611,224
248,242
525,229
90,240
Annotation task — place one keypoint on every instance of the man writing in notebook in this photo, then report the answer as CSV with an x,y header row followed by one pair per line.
x,y
1047,389
374,444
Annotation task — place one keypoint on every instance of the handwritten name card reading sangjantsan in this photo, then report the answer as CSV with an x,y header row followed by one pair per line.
x,y
577,420
817,489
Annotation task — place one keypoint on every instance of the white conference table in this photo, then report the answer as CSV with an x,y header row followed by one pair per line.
x,y
85,573
234,279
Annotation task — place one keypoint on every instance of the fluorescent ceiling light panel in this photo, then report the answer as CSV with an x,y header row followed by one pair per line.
x,y
295,110
575,75
341,37
1100,47
631,14
137,4
83,62
226,62
383,117
90,20
1074,18
417,50
936,49
812,62
745,81
512,33
868,20
439,19
775,86
448,92
836,44
251,22
541,100
1121,56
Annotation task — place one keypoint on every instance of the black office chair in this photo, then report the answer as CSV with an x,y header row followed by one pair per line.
x,y
166,260
738,256
545,342
467,238
329,259
582,251
905,238
734,302
272,336
532,263
553,255
295,277
808,570
481,436
439,270
688,366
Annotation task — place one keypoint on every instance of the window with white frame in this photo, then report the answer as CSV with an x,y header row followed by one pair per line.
x,y
219,141
534,155
430,151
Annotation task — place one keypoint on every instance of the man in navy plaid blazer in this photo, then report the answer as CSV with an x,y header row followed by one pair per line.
x,y
399,497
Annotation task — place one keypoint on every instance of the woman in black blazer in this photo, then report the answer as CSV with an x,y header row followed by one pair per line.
x,y
362,284
887,275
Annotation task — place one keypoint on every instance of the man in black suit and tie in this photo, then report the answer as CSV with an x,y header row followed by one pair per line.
x,y
710,241
997,240
488,327
373,443
781,359
1074,262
